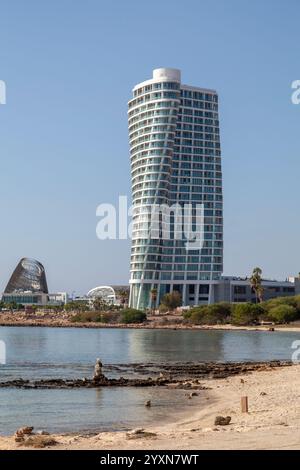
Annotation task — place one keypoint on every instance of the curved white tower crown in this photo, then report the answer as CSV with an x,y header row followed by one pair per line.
x,y
175,159
167,74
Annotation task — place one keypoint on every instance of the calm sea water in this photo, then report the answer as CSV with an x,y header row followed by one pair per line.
x,y
71,352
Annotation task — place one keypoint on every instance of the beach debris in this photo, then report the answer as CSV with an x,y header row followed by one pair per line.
x,y
187,385
242,381
207,430
244,404
263,394
42,433
39,442
164,376
24,436
191,395
272,329
139,433
22,431
136,431
148,403
222,421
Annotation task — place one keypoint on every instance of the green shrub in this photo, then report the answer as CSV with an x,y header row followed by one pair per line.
x,y
187,314
209,314
283,313
246,314
163,308
199,315
172,300
87,317
130,315
221,311
272,303
110,317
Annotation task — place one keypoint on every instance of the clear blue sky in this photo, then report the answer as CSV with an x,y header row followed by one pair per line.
x,y
70,66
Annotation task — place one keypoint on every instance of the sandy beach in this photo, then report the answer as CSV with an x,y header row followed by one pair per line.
x,y
273,420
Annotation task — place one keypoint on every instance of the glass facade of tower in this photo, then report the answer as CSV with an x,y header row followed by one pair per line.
x,y
175,159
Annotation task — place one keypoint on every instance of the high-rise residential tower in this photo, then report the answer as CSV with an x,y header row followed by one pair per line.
x,y
175,161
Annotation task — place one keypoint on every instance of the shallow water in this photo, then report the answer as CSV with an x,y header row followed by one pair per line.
x,y
35,353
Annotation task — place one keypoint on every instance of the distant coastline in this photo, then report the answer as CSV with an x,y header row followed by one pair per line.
x,y
162,323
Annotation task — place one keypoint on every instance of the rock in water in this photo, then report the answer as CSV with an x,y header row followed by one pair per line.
x,y
222,421
98,370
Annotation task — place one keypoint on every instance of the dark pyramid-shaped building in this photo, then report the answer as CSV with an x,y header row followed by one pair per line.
x,y
29,275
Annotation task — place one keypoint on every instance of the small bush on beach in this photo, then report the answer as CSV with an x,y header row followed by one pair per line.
x,y
200,316
130,315
86,317
172,300
221,312
246,314
209,314
163,308
283,313
96,317
110,317
272,303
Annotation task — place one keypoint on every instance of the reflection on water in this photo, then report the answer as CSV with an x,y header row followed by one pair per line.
x,y
74,350
71,352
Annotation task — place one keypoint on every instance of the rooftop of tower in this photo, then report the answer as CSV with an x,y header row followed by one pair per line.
x,y
168,73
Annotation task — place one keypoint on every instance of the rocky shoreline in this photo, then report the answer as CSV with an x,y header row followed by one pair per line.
x,y
180,375
169,322
151,325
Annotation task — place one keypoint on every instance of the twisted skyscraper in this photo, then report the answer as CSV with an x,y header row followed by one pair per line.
x,y
175,161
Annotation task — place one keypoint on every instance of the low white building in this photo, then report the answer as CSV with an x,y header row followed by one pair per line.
x,y
106,293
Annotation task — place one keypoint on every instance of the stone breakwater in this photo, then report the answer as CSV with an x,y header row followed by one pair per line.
x,y
178,375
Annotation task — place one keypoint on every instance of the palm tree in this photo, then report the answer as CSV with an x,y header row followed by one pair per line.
x,y
260,293
123,295
99,304
256,284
